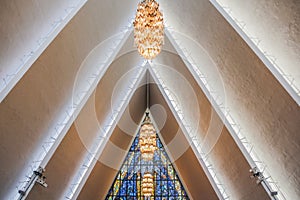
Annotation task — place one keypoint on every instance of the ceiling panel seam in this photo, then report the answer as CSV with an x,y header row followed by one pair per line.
x,y
89,162
285,79
205,164
170,155
10,79
52,141
234,129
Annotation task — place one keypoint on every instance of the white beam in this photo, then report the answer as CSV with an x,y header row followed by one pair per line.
x,y
52,141
219,189
233,128
278,72
170,155
10,79
91,158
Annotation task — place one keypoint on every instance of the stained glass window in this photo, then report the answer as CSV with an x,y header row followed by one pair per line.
x,y
127,184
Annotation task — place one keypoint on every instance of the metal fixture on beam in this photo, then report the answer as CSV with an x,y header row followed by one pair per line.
x,y
260,179
37,177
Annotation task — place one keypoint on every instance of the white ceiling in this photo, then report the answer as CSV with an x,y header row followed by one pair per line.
x,y
269,119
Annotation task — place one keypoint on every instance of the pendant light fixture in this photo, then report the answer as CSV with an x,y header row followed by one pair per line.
x,y
148,29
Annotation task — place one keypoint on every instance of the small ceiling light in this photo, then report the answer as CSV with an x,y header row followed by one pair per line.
x,y
148,29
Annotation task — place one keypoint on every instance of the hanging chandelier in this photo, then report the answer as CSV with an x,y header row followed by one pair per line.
x,y
147,144
147,184
147,140
148,29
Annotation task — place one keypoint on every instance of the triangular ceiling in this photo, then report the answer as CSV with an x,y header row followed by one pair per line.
x,y
49,83
166,182
129,53
194,174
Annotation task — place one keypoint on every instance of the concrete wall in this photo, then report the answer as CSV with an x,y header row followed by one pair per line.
x,y
268,116
276,24
216,142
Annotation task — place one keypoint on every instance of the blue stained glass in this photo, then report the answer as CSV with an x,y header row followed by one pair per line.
x,y
135,144
171,188
164,188
127,184
157,159
131,191
158,191
159,145
157,177
164,172
123,188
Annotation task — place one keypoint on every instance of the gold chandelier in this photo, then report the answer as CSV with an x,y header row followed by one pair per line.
x,y
147,140
147,184
148,29
147,144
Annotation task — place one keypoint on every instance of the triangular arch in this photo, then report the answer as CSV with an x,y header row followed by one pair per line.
x,y
127,183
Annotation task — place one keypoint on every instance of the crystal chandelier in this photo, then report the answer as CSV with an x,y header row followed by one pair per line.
x,y
147,184
147,140
148,29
